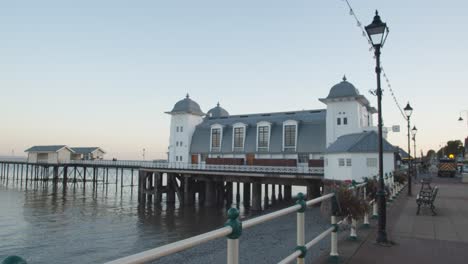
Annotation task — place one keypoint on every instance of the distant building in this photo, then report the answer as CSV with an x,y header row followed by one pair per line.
x,y
49,154
63,154
87,153
296,138
357,154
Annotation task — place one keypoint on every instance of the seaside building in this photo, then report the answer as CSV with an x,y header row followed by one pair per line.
x,y
340,138
49,154
87,153
63,154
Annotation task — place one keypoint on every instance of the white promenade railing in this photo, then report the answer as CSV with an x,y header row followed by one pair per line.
x,y
234,228
186,166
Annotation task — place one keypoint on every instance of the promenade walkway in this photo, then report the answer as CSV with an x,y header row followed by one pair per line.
x,y
419,238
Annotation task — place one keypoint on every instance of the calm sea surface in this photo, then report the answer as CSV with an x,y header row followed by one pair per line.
x,y
79,223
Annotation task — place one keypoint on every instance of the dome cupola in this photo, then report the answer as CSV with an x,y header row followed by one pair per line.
x,y
217,111
343,89
187,106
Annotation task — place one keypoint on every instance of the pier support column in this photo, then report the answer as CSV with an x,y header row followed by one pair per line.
x,y
273,192
210,194
238,192
229,192
159,185
65,174
189,194
55,171
141,187
170,195
266,198
313,190
246,194
288,192
256,197
280,192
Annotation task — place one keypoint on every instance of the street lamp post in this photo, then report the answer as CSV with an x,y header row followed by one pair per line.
x,y
378,32
408,111
413,132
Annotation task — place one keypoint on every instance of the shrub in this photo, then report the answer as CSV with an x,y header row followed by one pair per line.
x,y
400,177
349,204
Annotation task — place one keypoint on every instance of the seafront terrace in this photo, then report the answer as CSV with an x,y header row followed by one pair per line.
x,y
418,238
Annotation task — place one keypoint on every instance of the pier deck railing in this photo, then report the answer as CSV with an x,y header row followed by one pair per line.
x,y
234,228
298,170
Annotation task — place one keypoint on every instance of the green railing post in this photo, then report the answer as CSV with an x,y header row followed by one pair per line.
x,y
301,227
14,260
334,235
233,238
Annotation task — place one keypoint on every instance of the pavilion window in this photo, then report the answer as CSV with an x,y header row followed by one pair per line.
x,y
290,137
215,139
239,134
263,138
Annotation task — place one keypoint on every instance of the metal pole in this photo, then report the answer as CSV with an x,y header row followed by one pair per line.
x,y
233,251
366,215
415,153
233,238
382,221
409,159
300,233
334,238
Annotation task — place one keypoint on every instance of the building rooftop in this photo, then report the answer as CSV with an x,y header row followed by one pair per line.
x,y
51,148
85,150
343,89
217,111
311,133
187,106
364,142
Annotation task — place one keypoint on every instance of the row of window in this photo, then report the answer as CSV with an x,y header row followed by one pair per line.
x,y
370,162
178,158
263,138
345,121
179,143
179,129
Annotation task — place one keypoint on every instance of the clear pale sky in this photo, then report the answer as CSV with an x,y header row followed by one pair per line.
x,y
101,73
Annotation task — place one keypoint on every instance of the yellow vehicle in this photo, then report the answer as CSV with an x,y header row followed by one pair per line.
x,y
447,167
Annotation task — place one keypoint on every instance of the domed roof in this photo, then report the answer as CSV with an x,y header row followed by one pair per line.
x,y
343,89
187,105
217,111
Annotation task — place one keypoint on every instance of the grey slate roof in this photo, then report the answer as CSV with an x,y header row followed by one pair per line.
x,y
365,142
217,111
85,150
52,148
311,132
343,89
187,105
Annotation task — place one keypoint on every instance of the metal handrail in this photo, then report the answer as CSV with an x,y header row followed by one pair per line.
x,y
166,250
169,249
186,166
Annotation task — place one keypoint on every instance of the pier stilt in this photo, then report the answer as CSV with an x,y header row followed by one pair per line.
x,y
256,196
246,194
288,192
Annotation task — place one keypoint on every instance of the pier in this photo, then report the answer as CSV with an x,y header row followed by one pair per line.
x,y
182,183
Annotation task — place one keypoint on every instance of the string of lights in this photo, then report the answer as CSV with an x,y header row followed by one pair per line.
x,y
371,49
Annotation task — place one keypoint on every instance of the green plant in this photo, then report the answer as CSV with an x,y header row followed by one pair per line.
x,y
372,188
400,177
350,204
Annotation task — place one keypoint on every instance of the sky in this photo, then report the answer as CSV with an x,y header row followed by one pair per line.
x,y
102,73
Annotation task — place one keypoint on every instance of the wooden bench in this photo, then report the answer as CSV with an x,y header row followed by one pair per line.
x,y
426,199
